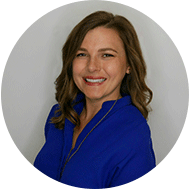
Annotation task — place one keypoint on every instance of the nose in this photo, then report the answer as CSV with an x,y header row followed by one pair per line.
x,y
94,64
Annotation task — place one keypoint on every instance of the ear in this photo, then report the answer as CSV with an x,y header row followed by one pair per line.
x,y
128,70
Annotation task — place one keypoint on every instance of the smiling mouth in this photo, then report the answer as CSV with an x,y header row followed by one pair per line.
x,y
94,80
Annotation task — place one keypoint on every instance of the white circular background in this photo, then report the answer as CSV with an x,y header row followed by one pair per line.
x,y
35,62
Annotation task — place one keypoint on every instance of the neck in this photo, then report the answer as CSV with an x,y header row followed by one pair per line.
x,y
93,106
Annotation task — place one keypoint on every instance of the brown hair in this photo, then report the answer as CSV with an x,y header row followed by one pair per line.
x,y
132,84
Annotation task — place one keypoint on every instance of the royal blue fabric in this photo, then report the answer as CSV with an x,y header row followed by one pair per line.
x,y
119,150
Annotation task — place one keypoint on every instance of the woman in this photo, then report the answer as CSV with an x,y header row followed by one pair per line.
x,y
97,135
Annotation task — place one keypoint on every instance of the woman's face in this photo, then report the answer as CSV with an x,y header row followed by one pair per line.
x,y
100,65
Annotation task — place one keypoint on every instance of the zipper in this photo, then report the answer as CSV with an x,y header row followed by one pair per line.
x,y
68,158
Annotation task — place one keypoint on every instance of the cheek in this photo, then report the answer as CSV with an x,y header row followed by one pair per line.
x,y
116,70
75,72
78,67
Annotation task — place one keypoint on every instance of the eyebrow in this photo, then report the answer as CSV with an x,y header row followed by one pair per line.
x,y
100,50
107,49
82,49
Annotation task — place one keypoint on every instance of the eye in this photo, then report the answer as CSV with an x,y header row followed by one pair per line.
x,y
81,55
108,55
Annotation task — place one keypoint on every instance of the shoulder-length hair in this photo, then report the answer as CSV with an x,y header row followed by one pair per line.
x,y
132,84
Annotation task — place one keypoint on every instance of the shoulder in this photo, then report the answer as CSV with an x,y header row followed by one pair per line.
x,y
131,135
127,116
52,113
129,125
126,111
131,144
53,110
131,112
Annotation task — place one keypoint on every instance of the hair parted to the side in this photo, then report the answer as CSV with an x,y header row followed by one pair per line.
x,y
132,84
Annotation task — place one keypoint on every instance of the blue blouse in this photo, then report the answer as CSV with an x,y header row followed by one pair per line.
x,y
116,151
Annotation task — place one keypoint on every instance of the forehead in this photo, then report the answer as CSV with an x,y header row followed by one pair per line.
x,y
102,37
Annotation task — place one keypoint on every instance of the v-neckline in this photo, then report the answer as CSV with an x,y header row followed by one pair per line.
x,y
69,126
85,130
74,140
77,131
108,108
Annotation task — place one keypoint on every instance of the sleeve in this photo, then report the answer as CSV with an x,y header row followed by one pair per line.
x,y
140,161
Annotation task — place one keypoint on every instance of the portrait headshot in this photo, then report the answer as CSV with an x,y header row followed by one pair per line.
x,y
95,97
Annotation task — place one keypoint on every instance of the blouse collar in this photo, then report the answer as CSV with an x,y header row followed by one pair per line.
x,y
124,101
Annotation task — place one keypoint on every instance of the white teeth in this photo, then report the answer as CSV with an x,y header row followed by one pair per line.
x,y
95,80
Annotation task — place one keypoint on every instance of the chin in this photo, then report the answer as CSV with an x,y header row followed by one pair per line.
x,y
94,96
